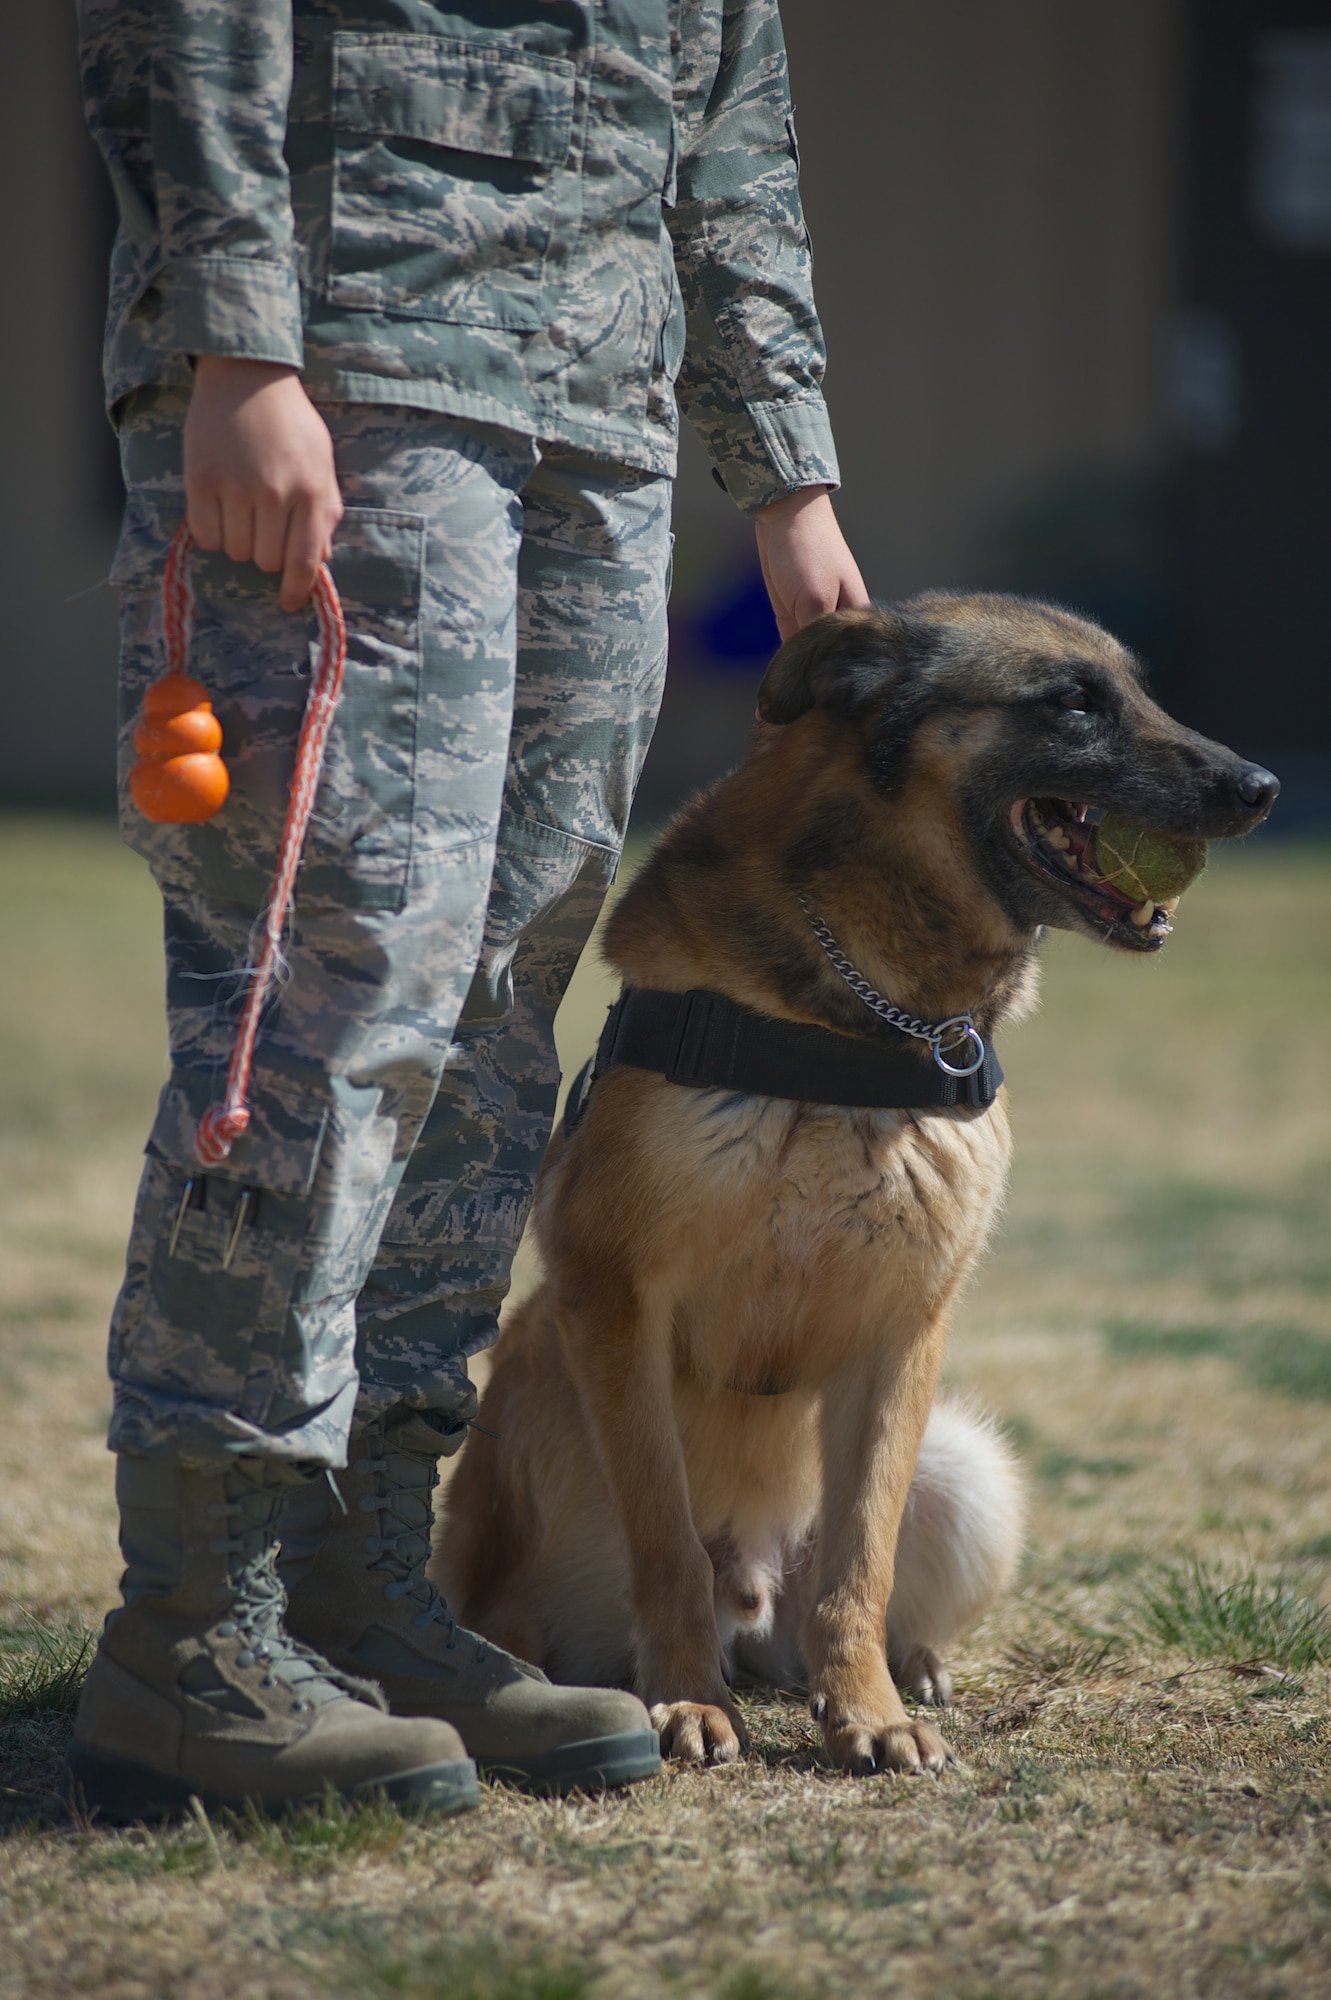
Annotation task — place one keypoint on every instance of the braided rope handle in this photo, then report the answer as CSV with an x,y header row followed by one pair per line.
x,y
222,1124
178,599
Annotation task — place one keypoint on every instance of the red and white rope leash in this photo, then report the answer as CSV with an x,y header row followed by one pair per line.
x,y
222,1124
177,600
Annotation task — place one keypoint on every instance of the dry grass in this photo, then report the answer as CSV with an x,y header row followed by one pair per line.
x,y
1144,1806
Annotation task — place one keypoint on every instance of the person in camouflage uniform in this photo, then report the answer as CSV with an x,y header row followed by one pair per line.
x,y
415,291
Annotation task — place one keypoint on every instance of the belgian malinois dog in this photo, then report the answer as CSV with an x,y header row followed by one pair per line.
x,y
711,1415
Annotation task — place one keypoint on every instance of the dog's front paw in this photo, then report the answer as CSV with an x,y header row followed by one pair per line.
x,y
699,1732
862,1747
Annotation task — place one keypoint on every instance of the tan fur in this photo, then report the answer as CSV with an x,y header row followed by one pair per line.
x,y
645,1516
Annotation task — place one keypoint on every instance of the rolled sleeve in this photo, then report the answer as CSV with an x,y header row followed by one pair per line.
x,y
241,307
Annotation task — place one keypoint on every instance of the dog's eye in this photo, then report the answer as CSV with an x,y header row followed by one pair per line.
x,y
1076,704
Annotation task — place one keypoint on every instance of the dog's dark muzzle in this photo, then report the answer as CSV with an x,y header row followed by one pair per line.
x,y
1189,787
1257,788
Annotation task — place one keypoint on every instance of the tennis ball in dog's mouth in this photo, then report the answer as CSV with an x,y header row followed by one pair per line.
x,y
1144,866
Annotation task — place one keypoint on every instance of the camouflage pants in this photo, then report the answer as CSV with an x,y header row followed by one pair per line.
x,y
505,608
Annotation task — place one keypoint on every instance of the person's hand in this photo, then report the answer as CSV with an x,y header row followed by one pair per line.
x,y
260,483
806,565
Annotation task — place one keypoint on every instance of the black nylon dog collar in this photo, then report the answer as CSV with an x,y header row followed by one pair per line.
x,y
706,1042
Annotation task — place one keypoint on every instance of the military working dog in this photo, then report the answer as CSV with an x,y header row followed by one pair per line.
x,y
717,1436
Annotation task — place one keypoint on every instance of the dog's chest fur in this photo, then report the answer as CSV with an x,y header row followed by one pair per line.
x,y
776,1209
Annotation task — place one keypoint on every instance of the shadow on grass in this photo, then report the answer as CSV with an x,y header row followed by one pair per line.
x,y
312,1840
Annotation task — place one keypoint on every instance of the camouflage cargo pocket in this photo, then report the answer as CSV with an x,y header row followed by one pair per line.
x,y
359,843
214,1258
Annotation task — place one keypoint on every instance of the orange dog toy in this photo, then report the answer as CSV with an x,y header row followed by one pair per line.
x,y
179,777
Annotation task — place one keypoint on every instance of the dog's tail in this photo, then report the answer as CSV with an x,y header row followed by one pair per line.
x,y
961,1536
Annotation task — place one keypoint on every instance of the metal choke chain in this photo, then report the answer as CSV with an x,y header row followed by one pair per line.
x,y
957,1028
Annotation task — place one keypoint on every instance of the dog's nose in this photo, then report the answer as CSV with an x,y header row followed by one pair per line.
x,y
1257,787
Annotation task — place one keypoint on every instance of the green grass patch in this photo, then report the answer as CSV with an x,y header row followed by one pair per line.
x,y
1213,1612
1166,1343
1241,1239
1095,1566
1287,1360
42,1670
1059,1465
1293,1363
1318,1549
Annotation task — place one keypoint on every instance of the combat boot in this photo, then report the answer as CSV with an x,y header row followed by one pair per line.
x,y
358,1591
198,1691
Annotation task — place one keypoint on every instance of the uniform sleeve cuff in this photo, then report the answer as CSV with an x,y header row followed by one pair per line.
x,y
241,307
790,445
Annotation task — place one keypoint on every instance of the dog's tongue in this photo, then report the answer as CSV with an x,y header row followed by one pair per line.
x,y
1144,866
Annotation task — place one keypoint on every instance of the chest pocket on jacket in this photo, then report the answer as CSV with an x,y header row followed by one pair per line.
x,y
444,162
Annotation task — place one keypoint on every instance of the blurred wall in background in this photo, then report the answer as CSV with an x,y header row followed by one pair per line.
x,y
1074,264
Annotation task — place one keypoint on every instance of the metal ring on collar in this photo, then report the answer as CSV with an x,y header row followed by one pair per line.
x,y
969,1033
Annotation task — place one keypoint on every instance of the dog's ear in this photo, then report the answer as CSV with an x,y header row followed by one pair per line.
x,y
843,662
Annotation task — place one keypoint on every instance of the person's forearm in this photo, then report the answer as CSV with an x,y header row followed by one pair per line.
x,y
807,567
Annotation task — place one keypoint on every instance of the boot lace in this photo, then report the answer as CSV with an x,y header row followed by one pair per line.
x,y
402,1497
256,1601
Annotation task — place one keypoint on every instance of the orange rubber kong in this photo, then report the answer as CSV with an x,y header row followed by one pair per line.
x,y
179,777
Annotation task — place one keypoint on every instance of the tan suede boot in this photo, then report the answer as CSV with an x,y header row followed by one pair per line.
x,y
358,1591
198,1691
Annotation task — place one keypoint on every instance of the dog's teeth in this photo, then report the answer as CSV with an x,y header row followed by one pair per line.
x,y
1142,915
1170,907
1058,837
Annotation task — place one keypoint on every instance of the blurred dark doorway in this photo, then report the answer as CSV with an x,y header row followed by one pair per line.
x,y
1248,379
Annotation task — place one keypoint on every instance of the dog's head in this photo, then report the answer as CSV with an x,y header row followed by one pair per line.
x,y
1033,719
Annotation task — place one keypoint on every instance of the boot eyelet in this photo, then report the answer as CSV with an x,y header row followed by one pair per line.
x,y
268,1681
392,1591
228,1629
244,1658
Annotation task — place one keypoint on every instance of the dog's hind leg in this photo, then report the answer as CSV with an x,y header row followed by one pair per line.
x,y
957,1549
488,1536
960,1538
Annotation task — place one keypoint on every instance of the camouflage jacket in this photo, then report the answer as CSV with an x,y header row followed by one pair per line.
x,y
537,213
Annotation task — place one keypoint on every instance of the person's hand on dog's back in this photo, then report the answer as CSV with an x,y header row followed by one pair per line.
x,y
806,564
